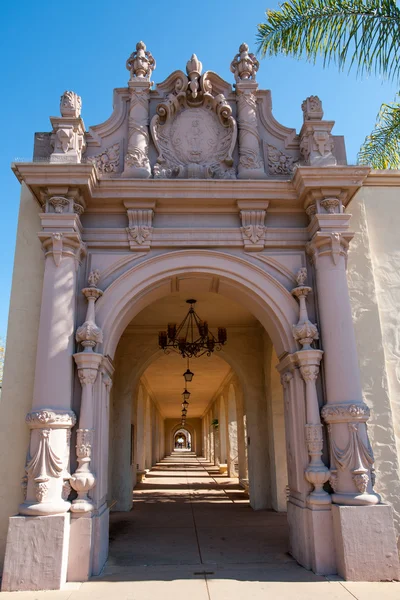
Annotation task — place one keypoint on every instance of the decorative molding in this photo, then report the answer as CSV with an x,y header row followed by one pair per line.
x,y
331,205
44,465
356,457
253,229
107,161
333,244
279,163
50,418
342,413
140,228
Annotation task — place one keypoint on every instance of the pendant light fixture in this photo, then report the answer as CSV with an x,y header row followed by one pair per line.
x,y
191,338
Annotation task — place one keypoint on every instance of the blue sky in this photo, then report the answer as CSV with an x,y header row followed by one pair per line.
x,y
48,47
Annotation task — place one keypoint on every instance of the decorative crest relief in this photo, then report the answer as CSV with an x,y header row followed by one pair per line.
x,y
194,130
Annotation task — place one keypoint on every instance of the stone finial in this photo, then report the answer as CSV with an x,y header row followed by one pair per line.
x,y
93,279
194,65
141,63
301,276
70,105
193,69
312,109
244,65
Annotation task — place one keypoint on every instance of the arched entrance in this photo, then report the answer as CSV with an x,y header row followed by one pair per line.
x,y
268,301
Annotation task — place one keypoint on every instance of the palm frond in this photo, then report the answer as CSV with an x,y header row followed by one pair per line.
x,y
381,149
365,34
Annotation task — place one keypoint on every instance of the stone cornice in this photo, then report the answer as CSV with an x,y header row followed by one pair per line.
x,y
199,195
346,180
384,178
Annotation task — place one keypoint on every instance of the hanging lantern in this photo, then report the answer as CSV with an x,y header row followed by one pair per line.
x,y
188,375
192,338
185,404
186,394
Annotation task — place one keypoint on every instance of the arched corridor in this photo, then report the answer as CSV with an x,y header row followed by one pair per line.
x,y
187,513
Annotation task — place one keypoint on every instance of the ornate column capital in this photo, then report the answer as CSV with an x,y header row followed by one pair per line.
x,y
333,244
344,413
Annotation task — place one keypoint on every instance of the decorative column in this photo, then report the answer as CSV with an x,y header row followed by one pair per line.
x,y
68,137
308,359
245,66
51,418
88,363
141,64
352,459
316,142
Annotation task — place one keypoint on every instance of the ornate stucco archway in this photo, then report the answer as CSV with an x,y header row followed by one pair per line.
x,y
124,223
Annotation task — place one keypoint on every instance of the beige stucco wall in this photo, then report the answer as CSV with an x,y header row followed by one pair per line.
x,y
23,325
374,283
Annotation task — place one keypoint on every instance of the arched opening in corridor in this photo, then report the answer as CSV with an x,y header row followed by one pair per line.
x,y
235,427
182,439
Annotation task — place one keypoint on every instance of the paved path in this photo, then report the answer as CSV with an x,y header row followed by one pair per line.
x,y
193,536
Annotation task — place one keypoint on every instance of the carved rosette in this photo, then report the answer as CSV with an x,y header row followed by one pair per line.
x,y
140,65
140,229
304,331
47,462
193,129
351,454
89,334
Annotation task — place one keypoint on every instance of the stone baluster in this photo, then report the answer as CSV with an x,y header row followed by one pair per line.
x,y
309,360
88,363
345,412
141,64
244,66
46,479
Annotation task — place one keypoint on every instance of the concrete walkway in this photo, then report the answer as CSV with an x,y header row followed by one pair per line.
x,y
192,535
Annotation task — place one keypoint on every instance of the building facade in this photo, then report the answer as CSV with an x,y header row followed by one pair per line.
x,y
191,189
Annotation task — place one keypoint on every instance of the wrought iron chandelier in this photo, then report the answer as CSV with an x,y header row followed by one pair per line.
x,y
192,338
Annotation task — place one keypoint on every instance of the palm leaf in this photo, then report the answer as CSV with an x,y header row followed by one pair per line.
x,y
381,149
363,34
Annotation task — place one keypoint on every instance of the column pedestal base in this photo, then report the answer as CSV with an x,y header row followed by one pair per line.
x,y
36,553
311,538
365,543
